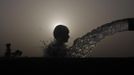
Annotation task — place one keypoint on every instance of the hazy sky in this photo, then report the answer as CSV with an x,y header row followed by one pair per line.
x,y
25,22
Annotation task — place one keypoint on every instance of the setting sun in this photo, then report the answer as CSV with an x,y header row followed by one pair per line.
x,y
58,23
52,26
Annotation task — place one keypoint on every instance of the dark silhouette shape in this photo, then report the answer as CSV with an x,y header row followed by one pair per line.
x,y
57,48
131,24
17,53
9,53
8,50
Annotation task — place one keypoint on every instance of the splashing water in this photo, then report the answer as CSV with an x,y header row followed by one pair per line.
x,y
84,45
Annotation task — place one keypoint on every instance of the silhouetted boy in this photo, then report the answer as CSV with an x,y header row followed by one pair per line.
x,y
57,48
8,50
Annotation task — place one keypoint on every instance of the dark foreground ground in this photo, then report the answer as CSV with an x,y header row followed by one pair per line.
x,y
66,64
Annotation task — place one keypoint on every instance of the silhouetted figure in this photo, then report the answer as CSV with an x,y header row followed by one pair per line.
x,y
8,50
17,53
9,53
57,48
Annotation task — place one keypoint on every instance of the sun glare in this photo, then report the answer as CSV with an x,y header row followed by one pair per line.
x,y
56,24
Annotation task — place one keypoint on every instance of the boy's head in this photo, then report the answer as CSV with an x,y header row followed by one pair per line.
x,y
61,33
